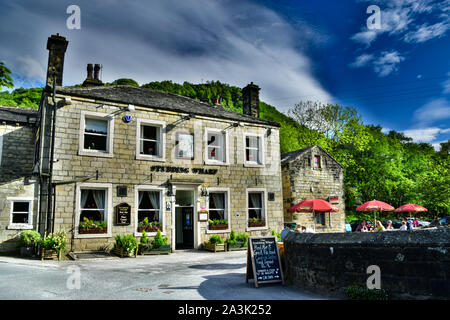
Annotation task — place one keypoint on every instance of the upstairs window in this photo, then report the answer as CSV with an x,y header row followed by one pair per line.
x,y
96,134
317,162
216,147
253,150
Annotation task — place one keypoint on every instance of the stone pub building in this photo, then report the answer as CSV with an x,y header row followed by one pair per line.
x,y
130,158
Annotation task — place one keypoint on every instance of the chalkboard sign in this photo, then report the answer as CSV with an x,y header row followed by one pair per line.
x,y
123,214
263,260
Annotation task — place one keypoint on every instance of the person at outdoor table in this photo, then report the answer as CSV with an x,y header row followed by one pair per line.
x,y
389,226
379,227
299,228
415,223
285,231
409,224
362,227
403,227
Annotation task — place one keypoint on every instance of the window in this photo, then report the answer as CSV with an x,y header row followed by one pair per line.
x,y
216,147
96,134
149,206
217,205
316,162
253,150
1,148
92,205
150,140
255,205
20,213
320,218
184,146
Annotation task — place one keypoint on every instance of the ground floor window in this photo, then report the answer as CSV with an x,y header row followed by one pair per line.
x,y
92,211
320,218
218,207
256,209
149,211
20,213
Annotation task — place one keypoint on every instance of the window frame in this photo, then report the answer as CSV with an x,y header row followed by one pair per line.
x,y
319,162
227,208
264,209
1,148
261,150
162,208
21,226
109,153
108,209
151,123
225,147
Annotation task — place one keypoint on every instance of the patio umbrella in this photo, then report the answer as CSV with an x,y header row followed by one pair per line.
x,y
314,205
410,207
375,205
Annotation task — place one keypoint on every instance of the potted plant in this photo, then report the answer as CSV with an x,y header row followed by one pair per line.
x,y
217,224
215,243
159,244
254,222
91,226
53,245
28,241
238,242
126,246
147,226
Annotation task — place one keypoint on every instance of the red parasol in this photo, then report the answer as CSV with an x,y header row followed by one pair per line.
x,y
375,205
410,207
311,205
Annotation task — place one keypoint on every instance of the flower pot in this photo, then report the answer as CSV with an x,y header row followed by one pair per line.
x,y
92,230
50,254
235,246
214,247
122,252
26,252
218,227
147,249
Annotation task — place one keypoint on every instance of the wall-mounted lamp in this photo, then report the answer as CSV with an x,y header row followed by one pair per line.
x,y
131,107
204,193
269,131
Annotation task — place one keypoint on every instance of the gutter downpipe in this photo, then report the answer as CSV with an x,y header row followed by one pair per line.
x,y
52,154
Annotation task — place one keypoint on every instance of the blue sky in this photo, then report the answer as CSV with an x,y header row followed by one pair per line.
x,y
397,76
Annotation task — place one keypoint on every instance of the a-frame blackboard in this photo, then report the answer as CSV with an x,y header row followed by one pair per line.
x,y
263,260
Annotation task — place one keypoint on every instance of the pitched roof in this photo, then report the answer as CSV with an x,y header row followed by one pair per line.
x,y
18,115
289,156
159,100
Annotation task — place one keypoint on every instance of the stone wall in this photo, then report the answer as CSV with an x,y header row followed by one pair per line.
x,y
124,169
413,264
302,181
16,163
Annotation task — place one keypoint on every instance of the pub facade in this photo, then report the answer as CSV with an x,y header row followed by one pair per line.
x,y
115,160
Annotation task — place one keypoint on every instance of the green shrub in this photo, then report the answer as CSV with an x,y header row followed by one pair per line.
x,y
54,241
357,292
277,234
159,241
144,238
214,222
232,238
29,238
242,237
215,238
128,242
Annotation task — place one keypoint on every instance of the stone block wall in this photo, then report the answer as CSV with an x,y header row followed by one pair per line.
x,y
302,181
124,169
16,163
413,264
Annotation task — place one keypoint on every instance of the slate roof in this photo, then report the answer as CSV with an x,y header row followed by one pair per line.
x,y
289,156
18,115
159,100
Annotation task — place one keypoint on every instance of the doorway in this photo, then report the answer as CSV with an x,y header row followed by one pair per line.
x,y
184,219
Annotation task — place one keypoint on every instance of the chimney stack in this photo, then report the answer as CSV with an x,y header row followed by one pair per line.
x,y
92,81
56,45
250,97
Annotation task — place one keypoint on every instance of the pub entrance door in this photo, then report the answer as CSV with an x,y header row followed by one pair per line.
x,y
184,219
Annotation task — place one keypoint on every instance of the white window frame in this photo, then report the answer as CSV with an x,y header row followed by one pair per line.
x,y
162,208
264,211
225,147
261,150
108,209
162,128
109,140
227,209
21,226
1,148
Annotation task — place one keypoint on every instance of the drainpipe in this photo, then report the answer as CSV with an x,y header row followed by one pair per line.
x,y
52,154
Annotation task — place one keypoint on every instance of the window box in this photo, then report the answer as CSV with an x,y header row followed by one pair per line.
x,y
257,224
149,228
92,230
220,226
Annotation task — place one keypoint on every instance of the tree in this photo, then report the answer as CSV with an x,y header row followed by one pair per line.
x,y
124,82
5,78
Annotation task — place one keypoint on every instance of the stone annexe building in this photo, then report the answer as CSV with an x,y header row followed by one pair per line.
x,y
124,155
311,173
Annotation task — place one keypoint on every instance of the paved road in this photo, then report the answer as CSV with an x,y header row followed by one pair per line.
x,y
186,275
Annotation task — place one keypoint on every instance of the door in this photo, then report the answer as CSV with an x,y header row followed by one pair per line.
x,y
184,228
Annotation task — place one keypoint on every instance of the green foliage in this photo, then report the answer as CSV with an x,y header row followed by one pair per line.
x,y
215,238
144,238
147,223
29,98
242,237
357,292
232,236
256,220
215,222
5,76
159,241
277,234
29,238
128,242
123,82
54,241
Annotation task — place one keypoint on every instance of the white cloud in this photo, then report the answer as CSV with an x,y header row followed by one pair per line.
x,y
427,32
424,134
387,63
365,37
433,111
446,84
28,67
362,60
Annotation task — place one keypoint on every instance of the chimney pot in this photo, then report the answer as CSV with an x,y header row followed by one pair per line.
x,y
90,70
57,46
96,72
250,97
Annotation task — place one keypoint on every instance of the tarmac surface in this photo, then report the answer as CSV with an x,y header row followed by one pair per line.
x,y
185,275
